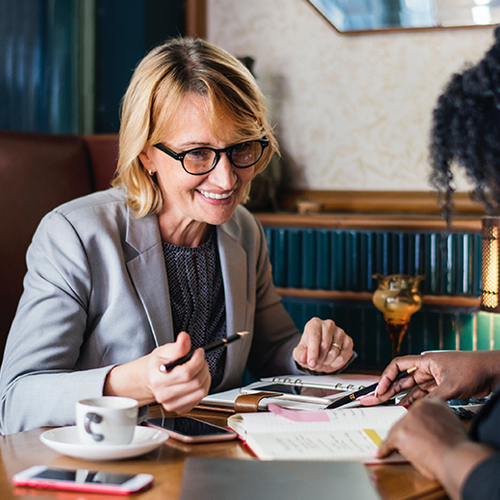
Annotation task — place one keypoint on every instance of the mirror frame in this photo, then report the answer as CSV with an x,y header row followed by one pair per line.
x,y
317,8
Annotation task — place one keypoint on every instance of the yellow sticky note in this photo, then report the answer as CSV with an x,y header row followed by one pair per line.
x,y
373,436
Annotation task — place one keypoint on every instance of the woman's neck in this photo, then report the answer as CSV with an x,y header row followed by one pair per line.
x,y
191,234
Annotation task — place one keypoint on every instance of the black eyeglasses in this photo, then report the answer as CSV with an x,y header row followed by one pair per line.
x,y
199,161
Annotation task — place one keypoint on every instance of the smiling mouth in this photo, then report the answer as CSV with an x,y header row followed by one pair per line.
x,y
215,196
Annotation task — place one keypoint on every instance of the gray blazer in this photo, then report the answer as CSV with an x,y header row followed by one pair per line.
x,y
96,295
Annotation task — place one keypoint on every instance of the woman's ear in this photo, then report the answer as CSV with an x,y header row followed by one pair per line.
x,y
145,156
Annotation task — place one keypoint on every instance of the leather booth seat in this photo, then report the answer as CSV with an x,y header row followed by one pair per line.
x,y
38,172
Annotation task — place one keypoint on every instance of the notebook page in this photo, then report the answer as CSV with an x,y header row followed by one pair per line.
x,y
340,419
334,445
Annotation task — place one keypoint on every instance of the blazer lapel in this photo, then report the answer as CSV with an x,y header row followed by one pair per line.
x,y
148,273
233,260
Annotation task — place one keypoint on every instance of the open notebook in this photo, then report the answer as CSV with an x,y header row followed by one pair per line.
x,y
341,434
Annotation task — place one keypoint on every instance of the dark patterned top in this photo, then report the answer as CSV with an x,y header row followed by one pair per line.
x,y
197,298
484,480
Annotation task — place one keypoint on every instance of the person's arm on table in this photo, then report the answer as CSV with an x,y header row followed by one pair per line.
x,y
323,347
178,391
38,376
448,375
59,350
434,440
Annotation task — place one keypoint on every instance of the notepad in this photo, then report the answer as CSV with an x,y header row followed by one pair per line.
x,y
346,434
339,382
224,478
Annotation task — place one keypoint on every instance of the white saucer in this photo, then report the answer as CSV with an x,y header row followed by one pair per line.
x,y
65,440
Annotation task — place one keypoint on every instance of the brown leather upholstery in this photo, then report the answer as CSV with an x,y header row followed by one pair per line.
x,y
103,151
37,173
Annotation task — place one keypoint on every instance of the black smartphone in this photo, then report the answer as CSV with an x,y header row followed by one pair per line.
x,y
191,430
298,392
40,476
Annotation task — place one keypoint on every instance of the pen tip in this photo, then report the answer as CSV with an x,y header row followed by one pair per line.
x,y
242,334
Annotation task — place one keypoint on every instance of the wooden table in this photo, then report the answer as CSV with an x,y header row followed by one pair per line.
x,y
22,450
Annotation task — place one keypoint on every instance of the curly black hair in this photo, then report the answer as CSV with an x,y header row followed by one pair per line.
x,y
466,131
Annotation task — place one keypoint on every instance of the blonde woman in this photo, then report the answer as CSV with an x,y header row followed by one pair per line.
x,y
123,281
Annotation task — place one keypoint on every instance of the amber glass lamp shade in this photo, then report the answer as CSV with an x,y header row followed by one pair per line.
x,y
490,259
398,297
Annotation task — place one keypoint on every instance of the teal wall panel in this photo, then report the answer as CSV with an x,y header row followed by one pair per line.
x,y
495,334
466,331
54,53
39,65
433,339
293,259
488,331
323,260
431,328
417,337
278,257
366,260
382,253
433,331
375,339
483,331
496,331
447,325
337,259
346,259
448,264
308,258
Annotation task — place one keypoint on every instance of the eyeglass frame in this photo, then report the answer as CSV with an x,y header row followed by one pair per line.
x,y
264,142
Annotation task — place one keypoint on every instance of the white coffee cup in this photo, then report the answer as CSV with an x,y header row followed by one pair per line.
x,y
106,420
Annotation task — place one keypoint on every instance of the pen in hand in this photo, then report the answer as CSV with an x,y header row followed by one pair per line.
x,y
218,344
366,390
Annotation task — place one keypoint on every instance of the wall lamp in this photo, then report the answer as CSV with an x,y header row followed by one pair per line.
x,y
490,264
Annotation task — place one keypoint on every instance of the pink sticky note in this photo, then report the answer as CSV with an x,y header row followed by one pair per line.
x,y
298,416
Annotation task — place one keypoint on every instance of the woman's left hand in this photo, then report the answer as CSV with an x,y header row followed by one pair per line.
x,y
323,347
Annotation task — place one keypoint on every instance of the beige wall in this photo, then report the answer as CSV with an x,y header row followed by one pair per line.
x,y
351,111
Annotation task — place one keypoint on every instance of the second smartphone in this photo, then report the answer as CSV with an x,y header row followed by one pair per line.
x,y
40,476
191,430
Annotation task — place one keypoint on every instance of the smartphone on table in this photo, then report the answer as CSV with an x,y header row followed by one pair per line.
x,y
191,430
40,476
320,395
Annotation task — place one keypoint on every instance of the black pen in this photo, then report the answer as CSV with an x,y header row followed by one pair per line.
x,y
366,390
208,348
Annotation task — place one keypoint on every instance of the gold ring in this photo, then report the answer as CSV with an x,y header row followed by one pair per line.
x,y
334,344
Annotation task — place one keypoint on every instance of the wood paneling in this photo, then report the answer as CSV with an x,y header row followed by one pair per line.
x,y
196,18
436,300
361,220
407,202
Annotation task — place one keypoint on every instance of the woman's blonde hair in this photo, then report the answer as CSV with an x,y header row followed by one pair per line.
x,y
162,79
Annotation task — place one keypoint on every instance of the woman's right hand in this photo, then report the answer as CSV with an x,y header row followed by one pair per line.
x,y
179,390
447,375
